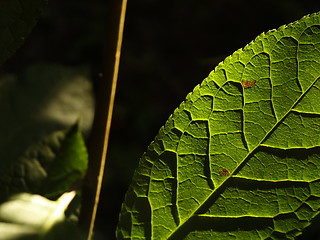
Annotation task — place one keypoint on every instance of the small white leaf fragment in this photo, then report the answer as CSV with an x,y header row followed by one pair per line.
x,y
30,214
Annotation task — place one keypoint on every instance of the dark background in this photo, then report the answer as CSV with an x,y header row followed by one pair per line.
x,y
169,47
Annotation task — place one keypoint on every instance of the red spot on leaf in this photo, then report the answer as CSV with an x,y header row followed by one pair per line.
x,y
224,172
248,83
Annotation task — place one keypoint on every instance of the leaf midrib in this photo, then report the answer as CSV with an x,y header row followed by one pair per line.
x,y
245,159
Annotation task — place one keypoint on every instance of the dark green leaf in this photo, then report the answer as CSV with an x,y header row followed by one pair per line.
x,y
17,18
240,157
69,165
36,107
50,167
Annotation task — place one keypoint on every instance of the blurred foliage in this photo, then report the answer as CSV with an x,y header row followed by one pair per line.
x,y
39,102
38,105
168,48
68,167
33,217
41,99
17,20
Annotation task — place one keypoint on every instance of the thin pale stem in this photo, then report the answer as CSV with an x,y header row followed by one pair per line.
x,y
103,116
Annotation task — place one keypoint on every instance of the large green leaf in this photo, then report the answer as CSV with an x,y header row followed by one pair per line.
x,y
239,159
17,18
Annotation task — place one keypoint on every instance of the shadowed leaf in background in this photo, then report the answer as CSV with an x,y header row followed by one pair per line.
x,y
38,106
16,22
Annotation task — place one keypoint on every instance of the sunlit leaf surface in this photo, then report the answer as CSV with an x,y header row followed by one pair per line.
x,y
239,159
